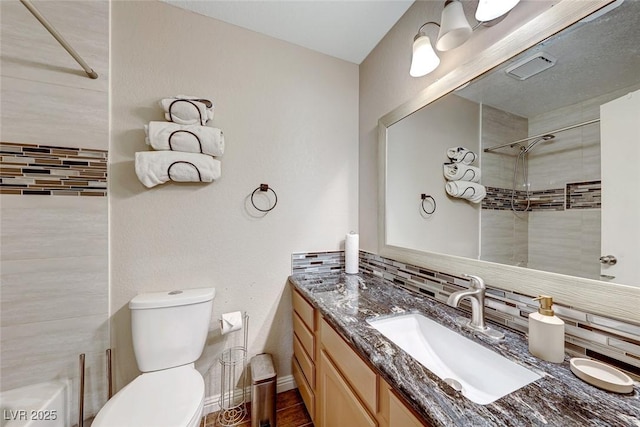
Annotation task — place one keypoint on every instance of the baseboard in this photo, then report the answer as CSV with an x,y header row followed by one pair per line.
x,y
211,403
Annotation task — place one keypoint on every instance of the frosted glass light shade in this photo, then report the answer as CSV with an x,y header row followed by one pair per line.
x,y
489,10
454,27
424,58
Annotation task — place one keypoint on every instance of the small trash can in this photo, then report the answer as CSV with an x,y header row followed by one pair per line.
x,y
263,391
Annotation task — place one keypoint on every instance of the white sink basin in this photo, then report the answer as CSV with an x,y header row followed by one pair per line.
x,y
480,374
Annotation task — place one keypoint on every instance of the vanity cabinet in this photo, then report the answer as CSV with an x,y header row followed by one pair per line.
x,y
304,351
337,386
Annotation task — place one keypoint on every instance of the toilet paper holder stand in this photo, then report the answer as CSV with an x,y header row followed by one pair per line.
x,y
233,384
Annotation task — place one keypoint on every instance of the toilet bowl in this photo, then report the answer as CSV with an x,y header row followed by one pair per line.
x,y
169,332
169,398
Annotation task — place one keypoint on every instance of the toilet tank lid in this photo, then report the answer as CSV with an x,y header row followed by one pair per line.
x,y
172,298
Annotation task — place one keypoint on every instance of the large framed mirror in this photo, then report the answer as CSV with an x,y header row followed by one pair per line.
x,y
550,169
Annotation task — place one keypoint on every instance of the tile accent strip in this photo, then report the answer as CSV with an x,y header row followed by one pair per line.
x,y
317,262
577,195
584,195
612,341
541,200
28,169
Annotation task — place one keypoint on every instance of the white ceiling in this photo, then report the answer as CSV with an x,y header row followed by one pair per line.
x,y
345,29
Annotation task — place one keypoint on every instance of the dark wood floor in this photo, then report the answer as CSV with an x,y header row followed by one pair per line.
x,y
290,412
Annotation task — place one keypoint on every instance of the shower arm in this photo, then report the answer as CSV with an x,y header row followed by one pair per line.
x,y
35,12
511,144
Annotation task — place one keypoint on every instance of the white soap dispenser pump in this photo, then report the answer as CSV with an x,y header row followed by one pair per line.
x,y
546,332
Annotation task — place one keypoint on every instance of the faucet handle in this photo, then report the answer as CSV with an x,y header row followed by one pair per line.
x,y
476,281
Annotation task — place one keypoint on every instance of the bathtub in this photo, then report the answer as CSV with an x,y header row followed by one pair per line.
x,y
39,405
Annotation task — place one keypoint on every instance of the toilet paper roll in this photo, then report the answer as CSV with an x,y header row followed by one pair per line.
x,y
230,322
351,253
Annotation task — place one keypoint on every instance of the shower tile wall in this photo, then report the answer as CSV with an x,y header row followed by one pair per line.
x,y
504,235
54,248
561,171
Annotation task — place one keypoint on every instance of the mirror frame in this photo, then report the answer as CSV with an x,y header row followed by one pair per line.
x,y
598,297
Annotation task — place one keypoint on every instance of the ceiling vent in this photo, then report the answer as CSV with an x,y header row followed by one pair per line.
x,y
530,66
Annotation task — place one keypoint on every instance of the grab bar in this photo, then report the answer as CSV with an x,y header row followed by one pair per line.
x,y
35,12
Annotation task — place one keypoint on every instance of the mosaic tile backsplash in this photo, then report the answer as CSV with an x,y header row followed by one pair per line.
x,y
317,262
577,195
609,340
28,169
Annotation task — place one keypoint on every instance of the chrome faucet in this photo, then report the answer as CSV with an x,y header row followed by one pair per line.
x,y
475,293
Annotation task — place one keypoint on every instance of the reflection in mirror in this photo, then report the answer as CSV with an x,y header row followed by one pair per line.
x,y
539,123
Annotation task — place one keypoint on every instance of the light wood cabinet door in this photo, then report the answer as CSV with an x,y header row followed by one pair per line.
x,y
338,405
392,411
400,415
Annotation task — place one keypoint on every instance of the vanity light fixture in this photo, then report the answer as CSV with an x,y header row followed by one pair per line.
x,y
454,31
454,28
488,10
424,59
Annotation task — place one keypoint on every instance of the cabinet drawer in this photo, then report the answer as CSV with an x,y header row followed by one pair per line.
x,y
304,335
308,396
304,310
306,364
362,379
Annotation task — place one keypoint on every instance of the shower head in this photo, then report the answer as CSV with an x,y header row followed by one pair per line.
x,y
546,137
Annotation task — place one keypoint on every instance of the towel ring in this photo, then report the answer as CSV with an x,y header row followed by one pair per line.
x,y
433,201
185,131
190,102
264,187
185,162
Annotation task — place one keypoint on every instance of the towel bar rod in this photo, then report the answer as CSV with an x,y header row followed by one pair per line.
x,y
35,12
529,138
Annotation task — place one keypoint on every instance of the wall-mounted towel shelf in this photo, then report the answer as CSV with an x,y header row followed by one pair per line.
x,y
56,35
264,188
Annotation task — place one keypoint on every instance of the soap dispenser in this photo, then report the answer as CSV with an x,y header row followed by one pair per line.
x,y
546,332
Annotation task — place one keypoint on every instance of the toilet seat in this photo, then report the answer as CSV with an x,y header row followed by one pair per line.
x,y
169,398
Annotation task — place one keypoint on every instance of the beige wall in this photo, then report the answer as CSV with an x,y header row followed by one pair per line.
x,y
416,150
385,84
290,119
54,249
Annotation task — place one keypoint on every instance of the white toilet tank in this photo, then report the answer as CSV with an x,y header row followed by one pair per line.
x,y
170,328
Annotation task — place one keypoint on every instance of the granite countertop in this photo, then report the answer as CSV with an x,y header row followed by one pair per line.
x,y
559,398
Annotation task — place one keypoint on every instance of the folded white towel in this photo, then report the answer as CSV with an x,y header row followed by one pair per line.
x,y
466,190
187,110
461,155
461,172
187,138
158,167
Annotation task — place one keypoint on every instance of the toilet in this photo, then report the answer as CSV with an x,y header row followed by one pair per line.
x,y
169,333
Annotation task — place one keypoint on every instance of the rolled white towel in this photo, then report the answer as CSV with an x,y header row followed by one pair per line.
x,y
187,138
466,190
461,172
187,110
158,167
461,155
